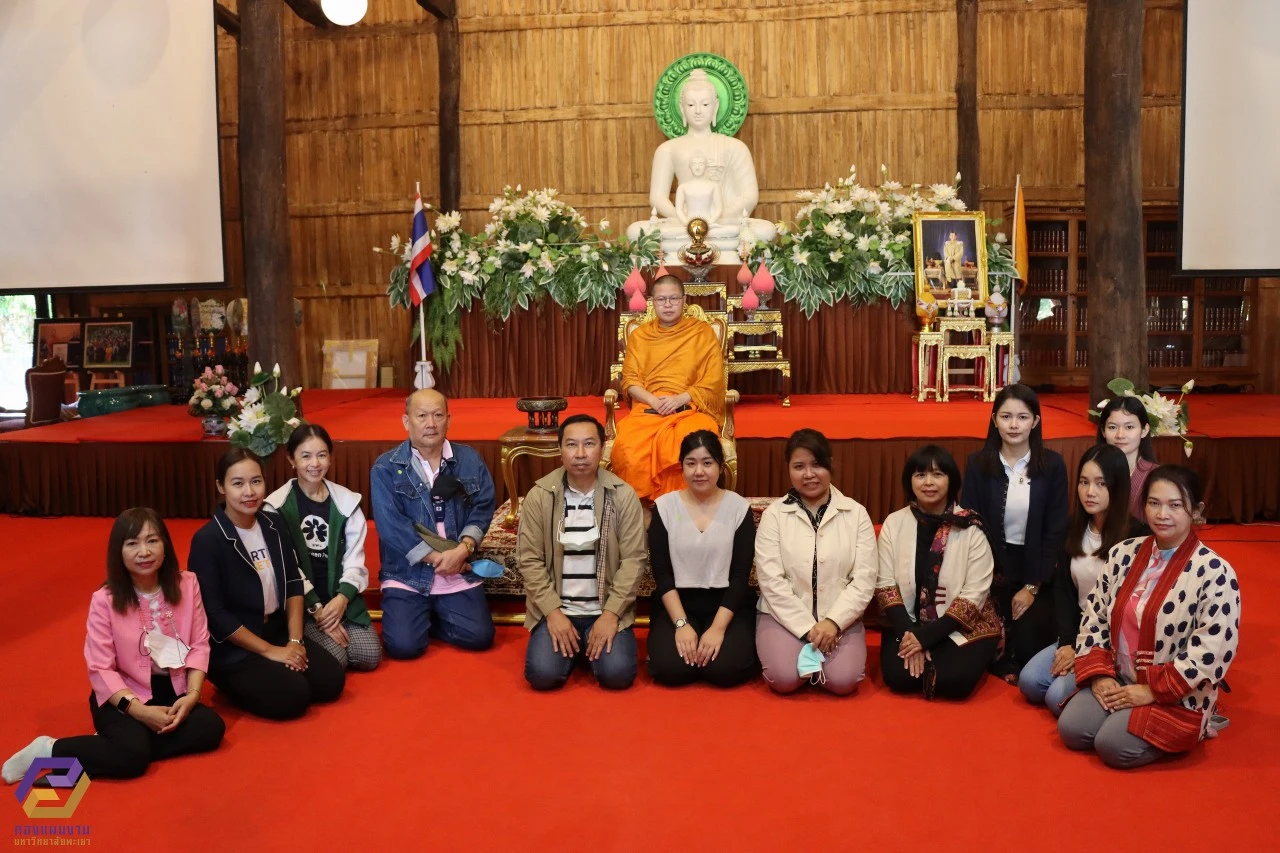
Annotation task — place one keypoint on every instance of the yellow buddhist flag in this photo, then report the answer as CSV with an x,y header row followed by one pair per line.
x,y
1020,259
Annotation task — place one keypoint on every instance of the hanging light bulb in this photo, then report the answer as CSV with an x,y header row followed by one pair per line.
x,y
344,13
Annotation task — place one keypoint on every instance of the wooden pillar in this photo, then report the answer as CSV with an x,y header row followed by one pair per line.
x,y
450,64
264,205
968,148
1113,193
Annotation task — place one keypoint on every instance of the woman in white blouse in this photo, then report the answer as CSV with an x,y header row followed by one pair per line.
x,y
816,566
701,541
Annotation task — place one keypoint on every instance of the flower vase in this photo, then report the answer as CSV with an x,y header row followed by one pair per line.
x,y
215,426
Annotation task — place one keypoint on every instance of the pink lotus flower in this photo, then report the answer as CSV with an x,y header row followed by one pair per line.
x,y
637,302
744,275
634,282
763,280
750,301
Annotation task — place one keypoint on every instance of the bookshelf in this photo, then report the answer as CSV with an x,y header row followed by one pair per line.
x,y
1196,327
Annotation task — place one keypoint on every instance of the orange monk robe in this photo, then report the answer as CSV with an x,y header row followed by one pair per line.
x,y
667,362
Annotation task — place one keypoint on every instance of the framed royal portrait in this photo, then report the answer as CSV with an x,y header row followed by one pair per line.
x,y
108,344
950,255
59,339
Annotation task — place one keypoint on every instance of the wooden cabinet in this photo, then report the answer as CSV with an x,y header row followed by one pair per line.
x,y
1201,328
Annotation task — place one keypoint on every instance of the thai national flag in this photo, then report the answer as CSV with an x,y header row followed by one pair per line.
x,y
421,281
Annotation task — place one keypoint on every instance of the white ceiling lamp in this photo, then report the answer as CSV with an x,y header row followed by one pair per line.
x,y
344,13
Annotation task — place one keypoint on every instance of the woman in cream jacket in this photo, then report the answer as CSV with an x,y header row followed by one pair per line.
x,y
816,567
934,586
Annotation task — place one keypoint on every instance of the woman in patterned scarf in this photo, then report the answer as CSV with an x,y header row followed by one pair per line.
x,y
934,586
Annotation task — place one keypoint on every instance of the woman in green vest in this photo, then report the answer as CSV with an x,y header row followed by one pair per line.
x,y
328,530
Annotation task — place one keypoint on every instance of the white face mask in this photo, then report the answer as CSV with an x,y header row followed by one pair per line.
x,y
167,652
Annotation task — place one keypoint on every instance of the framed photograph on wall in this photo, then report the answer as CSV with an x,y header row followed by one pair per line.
x,y
58,339
950,253
108,344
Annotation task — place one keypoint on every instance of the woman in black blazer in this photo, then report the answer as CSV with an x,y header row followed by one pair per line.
x,y
252,591
1020,490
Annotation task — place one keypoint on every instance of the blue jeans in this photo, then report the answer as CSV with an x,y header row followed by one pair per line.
x,y
409,620
547,669
1039,686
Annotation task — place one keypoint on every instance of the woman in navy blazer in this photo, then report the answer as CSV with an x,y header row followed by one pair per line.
x,y
1020,490
252,590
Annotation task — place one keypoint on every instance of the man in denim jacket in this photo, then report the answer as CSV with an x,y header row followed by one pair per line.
x,y
446,488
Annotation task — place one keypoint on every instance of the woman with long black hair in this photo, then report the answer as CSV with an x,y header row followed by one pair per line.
x,y
1020,490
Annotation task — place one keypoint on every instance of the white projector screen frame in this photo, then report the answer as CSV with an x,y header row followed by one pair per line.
x,y
110,172
1229,190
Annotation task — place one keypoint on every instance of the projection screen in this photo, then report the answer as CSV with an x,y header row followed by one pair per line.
x,y
109,171
1230,188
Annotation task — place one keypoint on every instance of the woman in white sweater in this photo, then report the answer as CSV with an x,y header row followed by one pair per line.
x,y
816,568
934,586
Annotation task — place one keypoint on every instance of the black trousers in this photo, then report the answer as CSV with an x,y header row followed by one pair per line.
x,y
735,664
956,670
124,747
1025,637
271,689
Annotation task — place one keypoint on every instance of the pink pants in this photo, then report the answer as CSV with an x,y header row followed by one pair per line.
x,y
779,650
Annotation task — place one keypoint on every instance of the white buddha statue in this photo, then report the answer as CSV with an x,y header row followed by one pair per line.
x,y
698,160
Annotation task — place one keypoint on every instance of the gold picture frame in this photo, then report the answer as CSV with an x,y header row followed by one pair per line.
x,y
939,264
350,364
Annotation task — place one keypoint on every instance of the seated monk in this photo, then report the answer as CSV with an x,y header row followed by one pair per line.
x,y
673,370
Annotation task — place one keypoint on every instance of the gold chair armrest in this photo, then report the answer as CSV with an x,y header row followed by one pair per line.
x,y
730,398
610,424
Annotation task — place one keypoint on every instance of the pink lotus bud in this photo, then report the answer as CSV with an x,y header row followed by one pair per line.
x,y
637,302
634,282
662,270
750,301
762,282
744,275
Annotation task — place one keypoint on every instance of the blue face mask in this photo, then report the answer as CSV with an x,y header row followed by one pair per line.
x,y
810,661
487,568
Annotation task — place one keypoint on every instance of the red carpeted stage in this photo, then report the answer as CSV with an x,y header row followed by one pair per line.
x,y
156,456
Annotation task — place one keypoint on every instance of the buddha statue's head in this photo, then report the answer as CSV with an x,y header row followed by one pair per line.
x,y
698,166
699,103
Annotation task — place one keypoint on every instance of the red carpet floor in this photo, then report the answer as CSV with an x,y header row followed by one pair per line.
x,y
375,416
453,752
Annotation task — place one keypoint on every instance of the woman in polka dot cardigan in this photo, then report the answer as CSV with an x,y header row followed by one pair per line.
x,y
1158,635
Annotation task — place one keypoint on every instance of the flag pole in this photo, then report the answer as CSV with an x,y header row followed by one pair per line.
x,y
422,370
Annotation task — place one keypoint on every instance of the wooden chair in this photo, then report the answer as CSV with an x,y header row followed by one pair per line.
x,y
45,385
719,323
106,379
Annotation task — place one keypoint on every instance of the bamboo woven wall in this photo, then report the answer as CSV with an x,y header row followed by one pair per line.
x,y
557,93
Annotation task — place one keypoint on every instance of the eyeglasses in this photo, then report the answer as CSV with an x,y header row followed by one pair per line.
x,y
668,300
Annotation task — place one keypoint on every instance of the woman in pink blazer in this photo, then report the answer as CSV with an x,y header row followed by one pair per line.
x,y
147,648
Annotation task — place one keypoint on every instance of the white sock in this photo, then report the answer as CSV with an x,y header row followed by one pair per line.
x,y
16,767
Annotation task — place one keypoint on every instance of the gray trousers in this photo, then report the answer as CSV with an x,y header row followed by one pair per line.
x,y
364,652
1085,724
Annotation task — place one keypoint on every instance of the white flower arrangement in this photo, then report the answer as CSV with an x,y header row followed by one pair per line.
x,y
534,246
268,417
865,236
1167,417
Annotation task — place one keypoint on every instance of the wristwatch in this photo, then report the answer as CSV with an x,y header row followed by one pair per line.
x,y
299,642
1033,588
123,705
469,545
680,623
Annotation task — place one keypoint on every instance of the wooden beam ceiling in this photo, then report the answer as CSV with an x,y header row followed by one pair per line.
x,y
228,20
440,9
309,11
